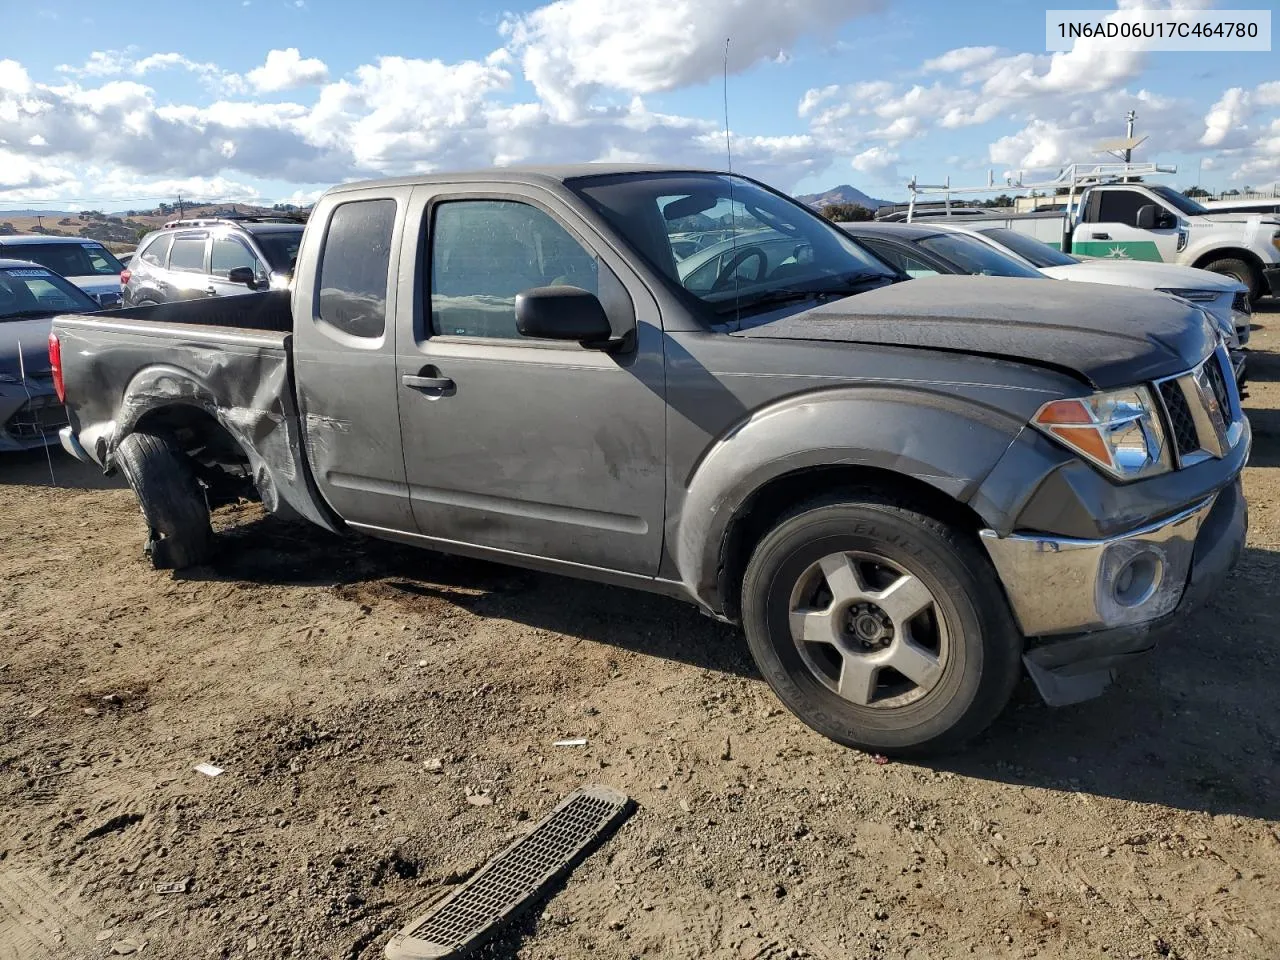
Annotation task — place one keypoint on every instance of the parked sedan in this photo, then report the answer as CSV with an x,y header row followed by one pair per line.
x,y
86,263
30,295
921,250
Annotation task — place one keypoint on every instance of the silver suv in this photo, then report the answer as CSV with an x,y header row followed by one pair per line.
x,y
194,259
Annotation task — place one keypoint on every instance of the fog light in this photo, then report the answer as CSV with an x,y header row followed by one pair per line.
x,y
1137,580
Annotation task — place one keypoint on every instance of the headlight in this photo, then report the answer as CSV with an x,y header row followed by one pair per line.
x,y
1118,431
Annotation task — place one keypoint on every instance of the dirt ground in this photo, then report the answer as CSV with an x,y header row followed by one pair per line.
x,y
328,677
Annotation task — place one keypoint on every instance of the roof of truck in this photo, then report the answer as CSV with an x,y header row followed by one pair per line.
x,y
556,173
900,231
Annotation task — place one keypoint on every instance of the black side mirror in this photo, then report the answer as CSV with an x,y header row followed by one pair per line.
x,y
562,313
243,275
1151,217
1166,220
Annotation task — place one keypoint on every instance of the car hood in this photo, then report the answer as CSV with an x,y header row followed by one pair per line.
x,y
1108,336
1141,274
33,335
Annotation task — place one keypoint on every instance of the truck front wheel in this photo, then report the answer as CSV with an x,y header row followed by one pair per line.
x,y
1239,270
880,627
173,505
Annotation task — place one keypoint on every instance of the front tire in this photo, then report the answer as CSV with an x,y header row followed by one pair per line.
x,y
1240,270
172,502
880,627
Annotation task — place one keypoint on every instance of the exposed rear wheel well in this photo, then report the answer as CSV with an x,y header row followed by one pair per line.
x,y
764,508
216,457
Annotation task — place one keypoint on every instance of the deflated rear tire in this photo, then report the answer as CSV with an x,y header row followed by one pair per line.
x,y
172,501
880,627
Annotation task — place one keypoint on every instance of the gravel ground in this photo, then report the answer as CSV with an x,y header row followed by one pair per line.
x,y
386,717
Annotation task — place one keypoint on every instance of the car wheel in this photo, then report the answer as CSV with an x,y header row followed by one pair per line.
x,y
880,627
172,501
1239,270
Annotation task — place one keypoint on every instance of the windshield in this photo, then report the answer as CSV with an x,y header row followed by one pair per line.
x,y
970,255
85,259
1037,252
730,242
1182,202
280,248
27,292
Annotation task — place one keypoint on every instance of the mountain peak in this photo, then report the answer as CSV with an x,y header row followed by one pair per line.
x,y
841,194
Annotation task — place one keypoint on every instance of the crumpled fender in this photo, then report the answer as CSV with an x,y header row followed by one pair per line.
x,y
256,408
947,442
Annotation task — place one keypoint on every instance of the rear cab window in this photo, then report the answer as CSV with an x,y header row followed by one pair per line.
x,y
354,267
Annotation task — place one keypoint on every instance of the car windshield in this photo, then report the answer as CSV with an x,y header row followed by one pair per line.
x,y
1037,252
1181,201
280,248
81,259
970,255
27,292
730,242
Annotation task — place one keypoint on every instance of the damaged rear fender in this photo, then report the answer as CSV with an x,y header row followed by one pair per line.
x,y
944,442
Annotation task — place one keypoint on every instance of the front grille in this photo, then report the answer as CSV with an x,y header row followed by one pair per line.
x,y
1242,302
37,418
1185,438
1219,384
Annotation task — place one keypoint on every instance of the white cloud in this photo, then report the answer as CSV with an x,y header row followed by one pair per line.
x,y
875,161
1268,94
570,49
287,70
962,58
1227,117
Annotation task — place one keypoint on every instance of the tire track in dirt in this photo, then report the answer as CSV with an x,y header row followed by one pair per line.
x,y
39,921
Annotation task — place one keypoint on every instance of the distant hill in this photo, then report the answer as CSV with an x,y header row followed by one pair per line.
x,y
842,194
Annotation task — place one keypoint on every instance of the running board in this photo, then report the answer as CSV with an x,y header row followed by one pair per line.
x,y
463,920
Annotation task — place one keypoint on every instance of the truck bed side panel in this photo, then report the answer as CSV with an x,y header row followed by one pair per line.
x,y
119,369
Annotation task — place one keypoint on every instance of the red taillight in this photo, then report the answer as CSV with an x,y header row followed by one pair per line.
x,y
55,362
124,277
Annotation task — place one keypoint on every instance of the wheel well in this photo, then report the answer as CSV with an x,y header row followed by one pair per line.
x,y
1232,253
762,510
217,457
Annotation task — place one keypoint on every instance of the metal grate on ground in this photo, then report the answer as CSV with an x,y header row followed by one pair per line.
x,y
513,879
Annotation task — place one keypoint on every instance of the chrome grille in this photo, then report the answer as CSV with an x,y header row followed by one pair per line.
x,y
1202,408
38,418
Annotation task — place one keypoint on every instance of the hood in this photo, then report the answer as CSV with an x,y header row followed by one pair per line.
x,y
34,337
1266,219
1146,275
1108,336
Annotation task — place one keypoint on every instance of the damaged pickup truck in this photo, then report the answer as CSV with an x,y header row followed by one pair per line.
x,y
905,493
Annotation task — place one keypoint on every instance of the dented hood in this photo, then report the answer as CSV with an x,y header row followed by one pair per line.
x,y
1109,336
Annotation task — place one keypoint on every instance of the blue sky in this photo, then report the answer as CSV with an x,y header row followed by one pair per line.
x,y
276,99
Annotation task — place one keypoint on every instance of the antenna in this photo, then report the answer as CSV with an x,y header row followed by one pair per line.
x,y
733,216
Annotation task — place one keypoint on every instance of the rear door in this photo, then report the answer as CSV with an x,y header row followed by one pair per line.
x,y
186,276
533,447
344,356
1110,230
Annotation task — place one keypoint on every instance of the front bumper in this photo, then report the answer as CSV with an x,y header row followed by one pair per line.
x,y
1091,605
30,416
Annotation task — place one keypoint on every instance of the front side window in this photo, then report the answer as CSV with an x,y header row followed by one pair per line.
x,y
187,253
227,253
909,264
484,252
1036,252
1121,206
354,267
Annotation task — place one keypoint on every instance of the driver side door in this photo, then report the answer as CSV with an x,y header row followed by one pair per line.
x,y
1111,232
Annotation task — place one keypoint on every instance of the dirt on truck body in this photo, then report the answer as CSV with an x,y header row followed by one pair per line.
x,y
357,694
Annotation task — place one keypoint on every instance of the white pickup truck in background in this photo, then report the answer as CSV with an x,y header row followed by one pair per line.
x,y
1113,217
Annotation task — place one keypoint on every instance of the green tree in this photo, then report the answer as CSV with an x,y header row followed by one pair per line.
x,y
846,212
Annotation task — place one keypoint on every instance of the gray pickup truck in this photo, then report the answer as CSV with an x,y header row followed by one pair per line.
x,y
905,492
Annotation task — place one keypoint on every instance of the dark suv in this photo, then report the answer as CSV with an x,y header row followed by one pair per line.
x,y
193,259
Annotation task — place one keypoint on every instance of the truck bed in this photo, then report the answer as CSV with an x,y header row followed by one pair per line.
x,y
252,311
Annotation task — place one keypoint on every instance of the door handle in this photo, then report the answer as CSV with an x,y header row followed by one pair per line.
x,y
1100,236
432,385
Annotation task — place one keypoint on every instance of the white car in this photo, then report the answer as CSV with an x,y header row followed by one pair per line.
x,y
1224,298
86,263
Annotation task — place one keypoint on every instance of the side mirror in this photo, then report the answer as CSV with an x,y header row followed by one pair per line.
x,y
243,275
1166,220
562,313
1151,217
